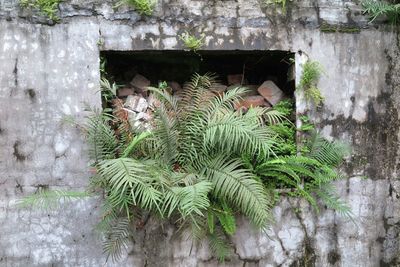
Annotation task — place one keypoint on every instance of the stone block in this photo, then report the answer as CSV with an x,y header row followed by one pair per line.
x,y
125,91
271,92
234,79
140,83
136,103
175,86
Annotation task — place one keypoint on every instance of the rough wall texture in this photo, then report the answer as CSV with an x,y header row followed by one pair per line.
x,y
47,71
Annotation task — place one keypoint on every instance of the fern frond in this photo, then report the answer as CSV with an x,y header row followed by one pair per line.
x,y
330,153
193,91
135,141
108,90
130,178
237,186
117,239
237,133
193,198
227,219
219,245
167,136
327,194
273,116
169,101
50,199
103,143
380,8
225,101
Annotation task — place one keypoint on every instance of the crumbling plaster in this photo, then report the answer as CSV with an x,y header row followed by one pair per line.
x,y
48,71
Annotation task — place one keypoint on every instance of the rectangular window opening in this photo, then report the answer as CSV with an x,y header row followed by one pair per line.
x,y
178,66
132,70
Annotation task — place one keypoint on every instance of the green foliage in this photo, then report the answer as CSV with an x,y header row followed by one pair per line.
x,y
192,42
48,8
143,7
282,3
310,174
306,125
103,143
202,164
285,130
191,167
50,199
332,28
375,9
108,91
116,238
312,72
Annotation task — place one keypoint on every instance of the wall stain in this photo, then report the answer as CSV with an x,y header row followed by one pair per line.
x,y
17,152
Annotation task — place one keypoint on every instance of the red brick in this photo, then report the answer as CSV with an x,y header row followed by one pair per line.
x,y
140,83
124,92
175,86
271,92
251,101
234,79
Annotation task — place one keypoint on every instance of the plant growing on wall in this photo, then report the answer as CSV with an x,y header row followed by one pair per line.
x,y
312,71
143,7
192,42
48,8
281,3
388,9
202,164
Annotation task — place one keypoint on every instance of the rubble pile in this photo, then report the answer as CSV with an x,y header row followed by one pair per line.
x,y
135,103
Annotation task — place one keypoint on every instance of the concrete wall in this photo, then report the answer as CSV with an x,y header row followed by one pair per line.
x,y
48,71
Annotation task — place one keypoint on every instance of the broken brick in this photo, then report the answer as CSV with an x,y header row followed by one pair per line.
x,y
235,79
271,92
124,92
250,101
175,86
136,103
140,83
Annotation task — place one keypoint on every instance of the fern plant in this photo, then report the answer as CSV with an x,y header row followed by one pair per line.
x,y
375,9
201,165
310,174
190,164
312,71
192,42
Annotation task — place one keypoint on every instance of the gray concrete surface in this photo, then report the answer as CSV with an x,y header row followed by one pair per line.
x,y
48,71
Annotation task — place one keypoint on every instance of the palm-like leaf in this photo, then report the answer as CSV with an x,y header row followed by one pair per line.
x,y
238,187
117,239
193,198
103,143
132,179
235,132
329,153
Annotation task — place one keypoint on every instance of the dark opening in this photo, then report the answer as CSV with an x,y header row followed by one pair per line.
x,y
156,66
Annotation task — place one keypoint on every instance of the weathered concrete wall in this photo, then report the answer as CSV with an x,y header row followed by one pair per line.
x,y
48,71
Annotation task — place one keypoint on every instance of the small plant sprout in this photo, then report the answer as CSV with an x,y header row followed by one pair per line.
x,y
48,8
192,42
143,7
